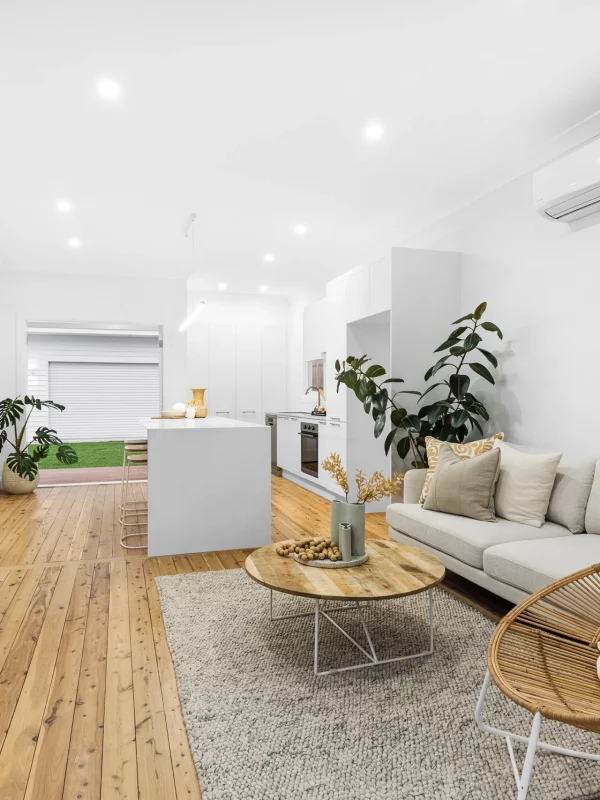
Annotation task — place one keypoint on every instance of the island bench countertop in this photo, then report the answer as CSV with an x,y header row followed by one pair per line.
x,y
206,423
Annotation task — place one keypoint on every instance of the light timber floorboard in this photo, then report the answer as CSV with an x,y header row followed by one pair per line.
x,y
88,698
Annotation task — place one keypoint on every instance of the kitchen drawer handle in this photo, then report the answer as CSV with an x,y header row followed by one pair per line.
x,y
222,412
335,424
338,418
248,412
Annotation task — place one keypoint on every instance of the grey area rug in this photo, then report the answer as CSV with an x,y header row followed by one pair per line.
x,y
262,727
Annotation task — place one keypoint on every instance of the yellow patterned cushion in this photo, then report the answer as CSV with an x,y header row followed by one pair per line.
x,y
464,450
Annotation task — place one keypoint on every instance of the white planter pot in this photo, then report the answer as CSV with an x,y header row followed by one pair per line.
x,y
15,484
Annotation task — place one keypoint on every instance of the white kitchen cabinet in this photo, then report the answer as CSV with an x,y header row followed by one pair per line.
x,y
380,286
274,359
248,380
288,443
332,439
358,294
220,397
336,343
314,330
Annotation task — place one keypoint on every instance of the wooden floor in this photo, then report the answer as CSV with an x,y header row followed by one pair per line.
x,y
88,699
52,477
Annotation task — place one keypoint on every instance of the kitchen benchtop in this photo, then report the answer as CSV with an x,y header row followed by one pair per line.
x,y
303,414
205,423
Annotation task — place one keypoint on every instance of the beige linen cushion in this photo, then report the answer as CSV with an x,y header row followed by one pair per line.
x,y
462,449
571,492
524,484
464,486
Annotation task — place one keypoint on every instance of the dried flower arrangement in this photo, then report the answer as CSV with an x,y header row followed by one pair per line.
x,y
367,490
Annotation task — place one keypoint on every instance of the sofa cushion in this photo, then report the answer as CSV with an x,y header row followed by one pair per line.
x,y
592,512
571,492
462,449
524,484
464,486
461,537
533,564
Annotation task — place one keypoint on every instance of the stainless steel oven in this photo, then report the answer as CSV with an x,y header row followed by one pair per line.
x,y
309,448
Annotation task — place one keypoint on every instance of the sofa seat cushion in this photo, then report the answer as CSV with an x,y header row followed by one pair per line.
x,y
462,537
533,564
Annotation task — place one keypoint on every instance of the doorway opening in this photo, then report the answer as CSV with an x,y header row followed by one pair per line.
x,y
108,377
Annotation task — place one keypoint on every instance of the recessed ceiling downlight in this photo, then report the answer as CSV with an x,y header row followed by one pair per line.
x,y
269,257
64,206
74,242
300,229
263,288
108,89
222,286
373,131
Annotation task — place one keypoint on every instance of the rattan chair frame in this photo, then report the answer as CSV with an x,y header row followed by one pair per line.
x,y
543,657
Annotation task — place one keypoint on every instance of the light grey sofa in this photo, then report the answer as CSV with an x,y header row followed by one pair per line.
x,y
508,558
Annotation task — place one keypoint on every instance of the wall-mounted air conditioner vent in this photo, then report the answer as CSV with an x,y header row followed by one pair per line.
x,y
569,188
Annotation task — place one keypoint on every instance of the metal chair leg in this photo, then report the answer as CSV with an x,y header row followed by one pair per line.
x,y
530,756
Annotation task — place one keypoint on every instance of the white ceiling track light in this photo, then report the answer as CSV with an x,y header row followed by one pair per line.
x,y
187,322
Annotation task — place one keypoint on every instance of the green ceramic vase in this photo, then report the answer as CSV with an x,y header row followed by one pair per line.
x,y
353,513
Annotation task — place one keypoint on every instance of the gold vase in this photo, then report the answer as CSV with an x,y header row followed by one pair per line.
x,y
198,402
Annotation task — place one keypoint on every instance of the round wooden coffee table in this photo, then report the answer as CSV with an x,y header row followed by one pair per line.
x,y
393,570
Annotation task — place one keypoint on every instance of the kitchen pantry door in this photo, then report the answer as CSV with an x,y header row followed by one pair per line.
x,y
103,400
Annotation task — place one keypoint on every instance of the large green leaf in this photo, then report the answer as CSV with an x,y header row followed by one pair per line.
x,y
66,454
471,341
413,421
458,332
436,367
459,418
39,452
337,365
379,425
489,326
490,356
10,411
462,319
23,464
392,380
445,345
480,310
457,351
45,435
403,447
396,417
3,438
459,384
389,439
436,412
483,371
375,371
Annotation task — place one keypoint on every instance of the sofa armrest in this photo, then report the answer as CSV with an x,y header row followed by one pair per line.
x,y
414,480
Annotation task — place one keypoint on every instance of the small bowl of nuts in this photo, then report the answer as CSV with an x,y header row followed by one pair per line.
x,y
316,552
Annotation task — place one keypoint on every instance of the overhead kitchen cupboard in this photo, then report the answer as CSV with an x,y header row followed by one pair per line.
x,y
245,370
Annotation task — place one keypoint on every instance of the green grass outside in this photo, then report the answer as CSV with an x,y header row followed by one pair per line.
x,y
91,454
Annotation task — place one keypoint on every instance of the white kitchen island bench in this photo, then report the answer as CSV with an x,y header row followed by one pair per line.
x,y
209,485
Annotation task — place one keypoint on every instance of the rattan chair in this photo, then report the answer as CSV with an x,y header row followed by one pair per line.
x,y
543,657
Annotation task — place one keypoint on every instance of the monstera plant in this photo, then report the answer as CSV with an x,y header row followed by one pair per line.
x,y
453,416
23,461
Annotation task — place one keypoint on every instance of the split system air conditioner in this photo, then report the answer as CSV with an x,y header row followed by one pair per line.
x,y
569,188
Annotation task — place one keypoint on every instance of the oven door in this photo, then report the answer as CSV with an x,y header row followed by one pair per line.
x,y
309,453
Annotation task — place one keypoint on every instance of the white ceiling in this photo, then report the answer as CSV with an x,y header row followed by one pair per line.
x,y
251,113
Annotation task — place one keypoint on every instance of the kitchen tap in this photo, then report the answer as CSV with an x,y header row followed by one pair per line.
x,y
316,389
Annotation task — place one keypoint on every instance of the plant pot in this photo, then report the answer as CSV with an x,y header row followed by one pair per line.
x,y
353,513
15,484
198,402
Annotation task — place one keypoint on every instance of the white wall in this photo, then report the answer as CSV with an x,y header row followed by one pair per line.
x,y
542,284
74,298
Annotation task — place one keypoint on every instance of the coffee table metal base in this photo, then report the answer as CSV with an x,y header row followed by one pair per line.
x,y
371,654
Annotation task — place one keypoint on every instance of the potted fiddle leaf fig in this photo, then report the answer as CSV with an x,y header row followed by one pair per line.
x,y
20,472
